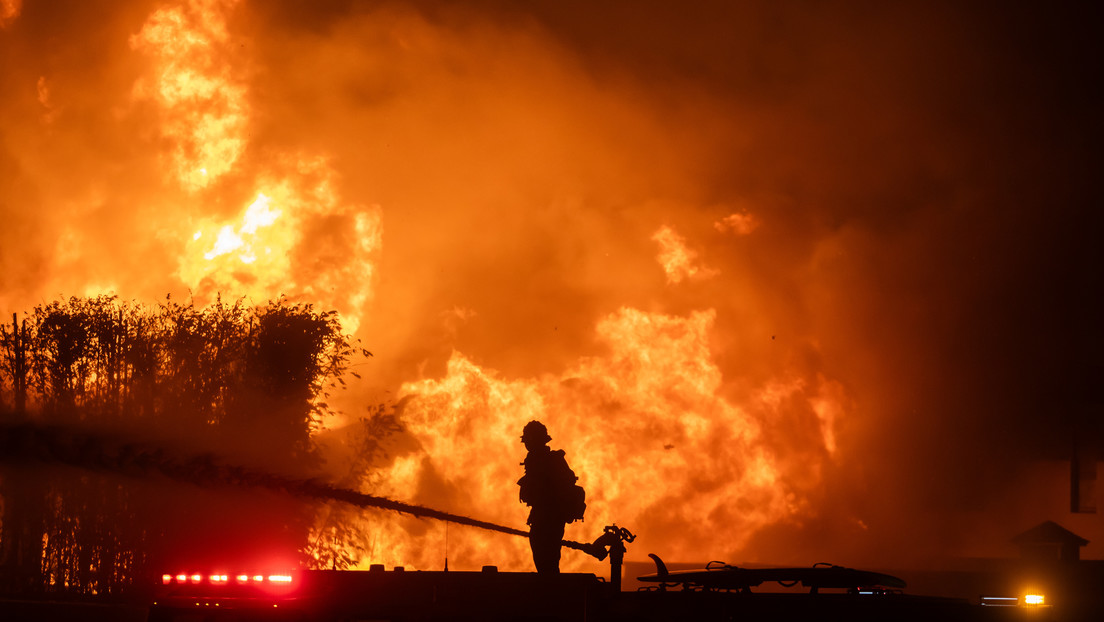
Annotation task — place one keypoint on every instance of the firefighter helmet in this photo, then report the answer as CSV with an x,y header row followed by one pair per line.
x,y
535,431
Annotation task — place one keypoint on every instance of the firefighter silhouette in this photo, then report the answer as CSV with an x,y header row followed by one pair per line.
x,y
548,487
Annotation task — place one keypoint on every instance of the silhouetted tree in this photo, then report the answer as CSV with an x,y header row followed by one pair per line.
x,y
246,383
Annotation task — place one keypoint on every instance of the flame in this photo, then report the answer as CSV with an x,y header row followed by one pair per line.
x,y
829,407
204,107
258,214
296,237
646,426
527,160
662,440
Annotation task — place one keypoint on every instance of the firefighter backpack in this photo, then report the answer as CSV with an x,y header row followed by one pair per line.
x,y
574,503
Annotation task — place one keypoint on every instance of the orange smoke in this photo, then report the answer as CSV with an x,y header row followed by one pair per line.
x,y
9,10
749,263
640,403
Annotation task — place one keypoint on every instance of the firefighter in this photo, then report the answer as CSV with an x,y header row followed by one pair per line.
x,y
548,487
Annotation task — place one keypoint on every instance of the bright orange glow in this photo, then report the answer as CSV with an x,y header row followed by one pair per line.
x,y
226,178
279,578
258,214
1034,599
669,448
196,578
166,579
263,253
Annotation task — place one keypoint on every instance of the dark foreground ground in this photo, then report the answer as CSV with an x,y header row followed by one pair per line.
x,y
643,607
16,610
493,596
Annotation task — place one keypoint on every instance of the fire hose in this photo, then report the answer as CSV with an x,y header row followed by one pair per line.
x,y
26,443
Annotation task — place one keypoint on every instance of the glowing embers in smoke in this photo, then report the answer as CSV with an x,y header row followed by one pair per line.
x,y
202,103
45,99
740,223
679,261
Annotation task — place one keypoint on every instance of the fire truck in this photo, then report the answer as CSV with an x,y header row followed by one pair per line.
x,y
717,592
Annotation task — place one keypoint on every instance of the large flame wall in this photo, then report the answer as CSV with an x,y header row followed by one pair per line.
x,y
772,275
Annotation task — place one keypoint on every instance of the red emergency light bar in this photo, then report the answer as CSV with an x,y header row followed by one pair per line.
x,y
223,579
